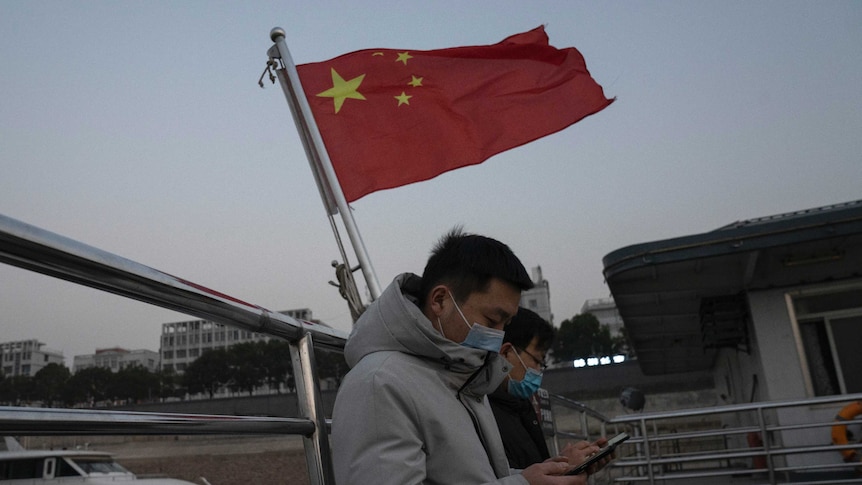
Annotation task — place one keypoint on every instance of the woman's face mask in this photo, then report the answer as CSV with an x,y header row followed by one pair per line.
x,y
527,386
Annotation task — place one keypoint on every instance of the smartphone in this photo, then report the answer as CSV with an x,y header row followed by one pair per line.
x,y
605,451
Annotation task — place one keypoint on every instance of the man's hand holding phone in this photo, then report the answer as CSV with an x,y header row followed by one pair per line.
x,y
577,453
594,456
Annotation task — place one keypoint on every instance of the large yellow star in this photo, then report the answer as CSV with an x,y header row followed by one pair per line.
x,y
403,56
342,89
403,98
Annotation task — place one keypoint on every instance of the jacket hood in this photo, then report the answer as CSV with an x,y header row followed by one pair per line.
x,y
394,322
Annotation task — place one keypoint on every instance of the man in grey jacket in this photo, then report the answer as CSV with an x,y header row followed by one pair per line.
x,y
423,357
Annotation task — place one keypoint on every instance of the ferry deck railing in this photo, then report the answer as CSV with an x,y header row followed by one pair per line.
x,y
41,251
756,443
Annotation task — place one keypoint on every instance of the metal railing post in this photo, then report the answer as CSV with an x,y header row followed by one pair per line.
x,y
318,454
770,466
585,429
556,440
646,451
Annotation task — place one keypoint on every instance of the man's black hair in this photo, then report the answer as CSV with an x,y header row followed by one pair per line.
x,y
467,263
526,326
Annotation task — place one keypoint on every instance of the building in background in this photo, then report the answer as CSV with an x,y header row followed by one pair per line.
x,y
605,310
117,358
26,357
183,342
538,299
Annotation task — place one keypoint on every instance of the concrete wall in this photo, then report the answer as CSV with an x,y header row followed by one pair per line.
x,y
779,356
739,374
600,384
608,381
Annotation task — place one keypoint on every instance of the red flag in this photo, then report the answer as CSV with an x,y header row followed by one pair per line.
x,y
390,117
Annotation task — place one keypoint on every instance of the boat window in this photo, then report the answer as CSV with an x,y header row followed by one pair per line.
x,y
99,465
830,327
64,469
25,468
818,355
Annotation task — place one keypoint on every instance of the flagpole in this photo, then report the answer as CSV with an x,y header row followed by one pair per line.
x,y
319,158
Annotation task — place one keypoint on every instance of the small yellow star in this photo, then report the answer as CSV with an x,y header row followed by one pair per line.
x,y
415,82
342,89
403,56
403,98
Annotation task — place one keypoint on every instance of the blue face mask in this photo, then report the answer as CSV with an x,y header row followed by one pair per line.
x,y
528,386
479,336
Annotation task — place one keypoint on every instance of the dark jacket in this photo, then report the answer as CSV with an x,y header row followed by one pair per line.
x,y
520,429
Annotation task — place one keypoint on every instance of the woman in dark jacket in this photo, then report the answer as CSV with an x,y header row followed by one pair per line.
x,y
528,337
527,340
520,428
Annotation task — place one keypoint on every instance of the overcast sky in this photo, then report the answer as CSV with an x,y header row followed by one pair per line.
x,y
138,128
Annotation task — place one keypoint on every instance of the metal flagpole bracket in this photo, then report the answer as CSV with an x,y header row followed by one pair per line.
x,y
274,56
267,70
347,288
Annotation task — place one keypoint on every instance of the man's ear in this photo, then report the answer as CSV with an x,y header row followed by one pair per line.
x,y
438,299
506,348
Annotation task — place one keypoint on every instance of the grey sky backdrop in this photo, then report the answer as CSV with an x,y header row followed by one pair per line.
x,y
138,128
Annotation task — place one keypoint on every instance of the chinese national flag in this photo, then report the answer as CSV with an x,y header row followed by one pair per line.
x,y
390,117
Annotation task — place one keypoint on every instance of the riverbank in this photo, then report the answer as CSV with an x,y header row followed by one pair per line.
x,y
220,460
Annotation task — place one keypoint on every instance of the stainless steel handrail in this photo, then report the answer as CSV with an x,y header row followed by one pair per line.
x,y
80,422
41,251
585,414
578,406
735,408
639,461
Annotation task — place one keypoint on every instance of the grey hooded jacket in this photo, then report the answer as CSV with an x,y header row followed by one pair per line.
x,y
413,408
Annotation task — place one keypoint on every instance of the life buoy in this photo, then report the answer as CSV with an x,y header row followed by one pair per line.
x,y
839,431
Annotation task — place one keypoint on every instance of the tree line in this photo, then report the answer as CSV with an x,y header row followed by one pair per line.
x,y
582,336
240,368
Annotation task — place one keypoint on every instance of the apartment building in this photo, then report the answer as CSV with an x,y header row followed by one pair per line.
x,y
605,311
538,299
117,358
183,342
26,357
